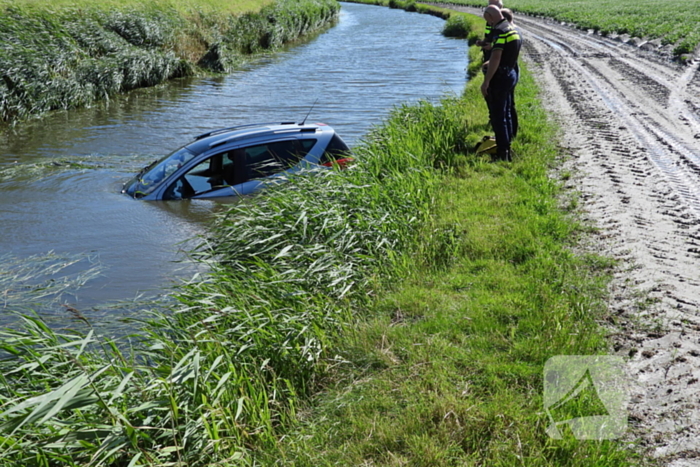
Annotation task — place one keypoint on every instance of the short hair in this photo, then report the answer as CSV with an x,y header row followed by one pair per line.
x,y
507,14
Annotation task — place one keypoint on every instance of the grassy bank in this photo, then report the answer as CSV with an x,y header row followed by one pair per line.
x,y
446,367
397,312
676,25
184,7
66,55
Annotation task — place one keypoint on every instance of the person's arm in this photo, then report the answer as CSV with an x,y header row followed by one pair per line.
x,y
487,37
484,44
493,62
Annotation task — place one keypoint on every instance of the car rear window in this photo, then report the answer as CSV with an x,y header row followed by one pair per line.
x,y
337,149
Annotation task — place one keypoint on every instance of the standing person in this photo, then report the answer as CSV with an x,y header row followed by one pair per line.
x,y
508,15
501,78
487,42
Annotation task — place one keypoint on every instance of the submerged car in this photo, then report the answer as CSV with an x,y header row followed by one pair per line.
x,y
238,161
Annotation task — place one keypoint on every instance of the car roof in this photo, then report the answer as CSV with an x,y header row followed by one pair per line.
x,y
222,136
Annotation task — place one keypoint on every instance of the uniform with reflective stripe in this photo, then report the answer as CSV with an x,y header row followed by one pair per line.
x,y
500,90
508,40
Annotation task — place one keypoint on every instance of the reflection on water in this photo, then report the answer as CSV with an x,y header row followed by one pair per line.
x,y
60,176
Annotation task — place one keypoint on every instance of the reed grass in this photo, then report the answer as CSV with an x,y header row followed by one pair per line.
x,y
73,55
41,279
216,380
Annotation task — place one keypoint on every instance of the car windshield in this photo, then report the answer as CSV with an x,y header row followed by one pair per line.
x,y
153,176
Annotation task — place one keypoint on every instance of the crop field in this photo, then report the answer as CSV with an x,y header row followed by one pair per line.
x,y
675,23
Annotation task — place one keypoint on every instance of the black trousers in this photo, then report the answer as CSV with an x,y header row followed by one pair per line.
x,y
502,108
513,112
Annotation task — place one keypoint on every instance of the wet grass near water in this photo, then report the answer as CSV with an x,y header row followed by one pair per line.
x,y
43,287
42,279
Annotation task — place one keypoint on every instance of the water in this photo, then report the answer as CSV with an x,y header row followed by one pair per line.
x,y
60,176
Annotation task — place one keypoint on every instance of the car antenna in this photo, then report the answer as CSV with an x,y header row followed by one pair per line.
x,y
307,114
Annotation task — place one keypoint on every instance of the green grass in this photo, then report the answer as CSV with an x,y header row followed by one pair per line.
x,y
446,368
398,312
675,24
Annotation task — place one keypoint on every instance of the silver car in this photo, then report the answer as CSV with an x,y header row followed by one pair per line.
x,y
238,161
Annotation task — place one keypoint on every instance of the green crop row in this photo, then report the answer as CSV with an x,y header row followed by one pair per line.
x,y
73,57
676,24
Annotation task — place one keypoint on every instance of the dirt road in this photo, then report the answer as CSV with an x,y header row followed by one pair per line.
x,y
631,138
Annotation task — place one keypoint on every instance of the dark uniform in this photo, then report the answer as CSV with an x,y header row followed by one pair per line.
x,y
501,86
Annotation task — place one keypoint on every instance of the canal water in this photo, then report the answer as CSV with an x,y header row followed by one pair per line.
x,y
70,242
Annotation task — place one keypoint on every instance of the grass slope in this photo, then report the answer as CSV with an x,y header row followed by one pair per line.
x,y
447,367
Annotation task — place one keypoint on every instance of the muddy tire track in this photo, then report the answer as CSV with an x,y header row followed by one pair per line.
x,y
631,137
631,126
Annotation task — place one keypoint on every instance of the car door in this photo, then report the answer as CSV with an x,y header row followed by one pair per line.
x,y
267,162
274,157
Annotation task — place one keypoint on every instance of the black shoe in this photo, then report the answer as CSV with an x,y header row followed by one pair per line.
x,y
504,154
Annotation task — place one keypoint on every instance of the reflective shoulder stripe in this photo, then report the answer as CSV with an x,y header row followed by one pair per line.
x,y
508,36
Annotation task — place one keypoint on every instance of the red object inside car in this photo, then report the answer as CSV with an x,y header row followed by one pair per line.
x,y
341,162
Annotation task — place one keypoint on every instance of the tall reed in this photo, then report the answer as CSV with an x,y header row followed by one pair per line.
x,y
76,56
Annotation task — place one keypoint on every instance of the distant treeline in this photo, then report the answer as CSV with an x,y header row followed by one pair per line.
x,y
75,56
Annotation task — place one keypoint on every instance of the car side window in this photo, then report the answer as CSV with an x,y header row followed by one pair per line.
x,y
270,158
210,174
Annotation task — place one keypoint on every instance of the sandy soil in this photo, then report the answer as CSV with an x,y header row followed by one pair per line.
x,y
631,139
